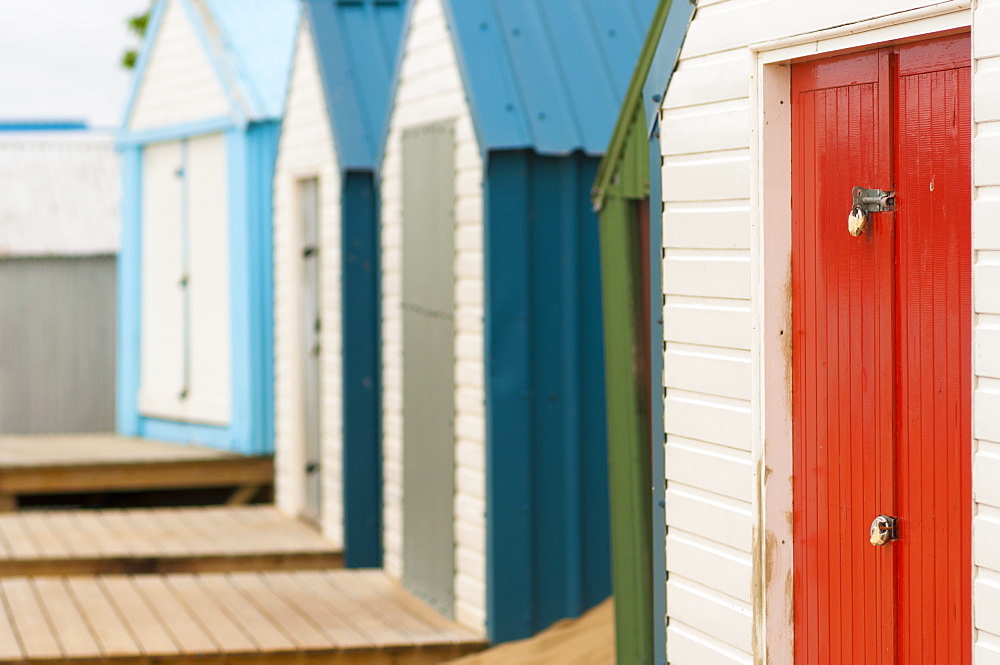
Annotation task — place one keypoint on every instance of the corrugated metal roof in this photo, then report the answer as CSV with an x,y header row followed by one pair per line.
x,y
357,45
259,37
59,194
547,74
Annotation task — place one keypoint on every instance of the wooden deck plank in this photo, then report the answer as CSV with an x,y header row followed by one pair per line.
x,y
213,618
233,541
270,526
160,540
72,631
257,625
134,542
139,616
37,638
81,542
192,531
106,540
80,463
106,625
19,541
368,621
308,600
10,646
189,635
218,619
45,536
295,624
155,533
393,590
406,622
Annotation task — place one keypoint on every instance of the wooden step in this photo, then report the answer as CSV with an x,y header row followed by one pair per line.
x,y
352,617
141,540
63,464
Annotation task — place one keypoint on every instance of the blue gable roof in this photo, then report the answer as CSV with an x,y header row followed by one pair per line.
x,y
547,75
259,38
357,44
250,45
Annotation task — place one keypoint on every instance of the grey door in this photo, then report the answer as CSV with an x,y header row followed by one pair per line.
x,y
309,211
428,363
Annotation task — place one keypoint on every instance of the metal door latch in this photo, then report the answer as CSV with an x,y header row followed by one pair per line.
x,y
884,529
868,201
874,200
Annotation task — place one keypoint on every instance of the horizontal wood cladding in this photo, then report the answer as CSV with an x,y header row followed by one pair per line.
x,y
307,150
180,84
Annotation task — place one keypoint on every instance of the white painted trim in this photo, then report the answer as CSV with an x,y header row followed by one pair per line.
x,y
770,252
948,15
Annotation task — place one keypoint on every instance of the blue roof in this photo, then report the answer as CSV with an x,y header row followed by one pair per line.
x,y
357,46
549,75
259,39
250,44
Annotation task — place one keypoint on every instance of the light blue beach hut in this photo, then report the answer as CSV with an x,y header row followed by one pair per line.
x,y
198,140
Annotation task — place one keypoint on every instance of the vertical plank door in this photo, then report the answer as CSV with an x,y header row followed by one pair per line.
x,y
842,347
934,439
882,357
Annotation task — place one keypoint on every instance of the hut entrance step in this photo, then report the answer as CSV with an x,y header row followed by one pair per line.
x,y
260,617
95,464
159,540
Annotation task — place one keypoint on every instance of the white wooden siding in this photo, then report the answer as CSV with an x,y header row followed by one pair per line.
x,y
429,90
306,150
707,314
163,327
986,340
179,84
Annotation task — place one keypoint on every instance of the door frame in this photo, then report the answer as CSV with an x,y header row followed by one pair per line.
x,y
771,307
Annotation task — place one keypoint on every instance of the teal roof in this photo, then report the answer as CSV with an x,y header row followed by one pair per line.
x,y
357,46
549,75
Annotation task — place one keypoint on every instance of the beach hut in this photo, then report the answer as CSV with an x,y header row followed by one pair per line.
x,y
326,275
494,429
58,239
627,194
198,142
829,177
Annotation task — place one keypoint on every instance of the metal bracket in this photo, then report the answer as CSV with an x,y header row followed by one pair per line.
x,y
874,200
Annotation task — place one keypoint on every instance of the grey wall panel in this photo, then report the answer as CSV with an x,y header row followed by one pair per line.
x,y
57,345
429,364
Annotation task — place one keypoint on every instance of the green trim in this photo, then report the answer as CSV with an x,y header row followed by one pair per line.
x,y
632,105
629,467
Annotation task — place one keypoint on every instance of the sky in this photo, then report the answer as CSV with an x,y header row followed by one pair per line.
x,y
60,59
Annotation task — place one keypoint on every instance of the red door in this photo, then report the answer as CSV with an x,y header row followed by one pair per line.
x,y
881,353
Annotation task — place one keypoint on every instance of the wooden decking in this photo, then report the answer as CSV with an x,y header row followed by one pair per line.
x,y
105,462
201,539
276,617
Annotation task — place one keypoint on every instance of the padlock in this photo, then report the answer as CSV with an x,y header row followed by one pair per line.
x,y
883,530
857,221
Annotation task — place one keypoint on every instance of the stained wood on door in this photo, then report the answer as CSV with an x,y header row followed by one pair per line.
x,y
881,357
